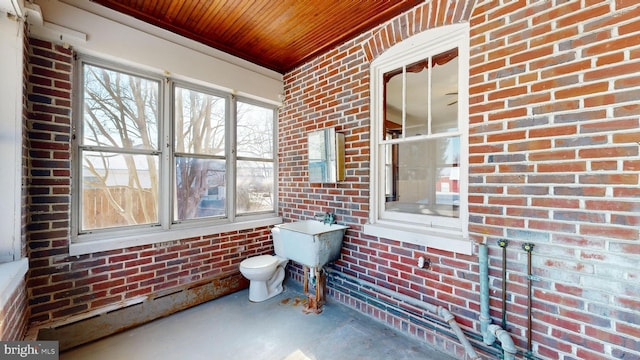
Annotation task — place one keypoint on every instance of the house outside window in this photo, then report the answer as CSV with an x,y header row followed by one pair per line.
x,y
158,158
419,140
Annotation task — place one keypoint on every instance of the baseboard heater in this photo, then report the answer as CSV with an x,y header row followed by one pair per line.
x,y
70,335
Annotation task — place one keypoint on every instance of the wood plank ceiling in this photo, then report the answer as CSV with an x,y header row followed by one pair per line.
x,y
277,34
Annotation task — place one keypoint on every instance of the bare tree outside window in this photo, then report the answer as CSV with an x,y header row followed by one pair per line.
x,y
119,149
200,180
255,172
133,156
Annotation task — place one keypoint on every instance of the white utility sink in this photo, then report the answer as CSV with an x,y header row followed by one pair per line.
x,y
311,242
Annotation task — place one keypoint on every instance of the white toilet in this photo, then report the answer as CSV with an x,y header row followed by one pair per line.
x,y
265,272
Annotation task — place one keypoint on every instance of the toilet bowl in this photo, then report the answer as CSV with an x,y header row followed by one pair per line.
x,y
265,272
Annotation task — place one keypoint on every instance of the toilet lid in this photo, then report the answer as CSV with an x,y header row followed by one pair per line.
x,y
260,261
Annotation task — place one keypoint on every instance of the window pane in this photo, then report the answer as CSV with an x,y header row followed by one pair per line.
x,y
424,113
255,189
444,112
199,122
417,99
119,110
118,190
254,131
390,168
427,177
393,106
200,188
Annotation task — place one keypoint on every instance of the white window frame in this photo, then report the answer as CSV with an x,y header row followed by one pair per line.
x,y
417,229
168,229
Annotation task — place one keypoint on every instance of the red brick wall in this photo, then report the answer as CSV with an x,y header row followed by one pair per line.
x,y
13,316
60,285
554,133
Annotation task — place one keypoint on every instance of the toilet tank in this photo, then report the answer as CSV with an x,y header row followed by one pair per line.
x,y
277,241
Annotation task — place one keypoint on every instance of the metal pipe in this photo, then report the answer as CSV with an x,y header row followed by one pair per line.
x,y
490,332
506,341
528,247
437,310
503,244
413,316
453,324
485,319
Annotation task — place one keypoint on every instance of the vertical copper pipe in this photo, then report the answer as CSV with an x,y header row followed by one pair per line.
x,y
528,247
503,244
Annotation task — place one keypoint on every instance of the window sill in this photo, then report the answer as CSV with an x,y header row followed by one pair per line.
x,y
90,244
441,240
11,277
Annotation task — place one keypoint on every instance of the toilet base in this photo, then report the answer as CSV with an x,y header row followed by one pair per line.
x,y
264,290
258,291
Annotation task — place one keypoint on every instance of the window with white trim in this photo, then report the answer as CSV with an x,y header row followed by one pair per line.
x,y
419,140
155,155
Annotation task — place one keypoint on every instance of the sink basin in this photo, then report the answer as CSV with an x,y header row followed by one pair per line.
x,y
310,242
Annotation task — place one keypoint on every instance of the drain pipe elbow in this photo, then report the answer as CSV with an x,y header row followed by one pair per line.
x,y
488,336
453,324
506,341
445,314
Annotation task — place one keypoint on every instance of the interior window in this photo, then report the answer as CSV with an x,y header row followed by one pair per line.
x,y
419,103
423,174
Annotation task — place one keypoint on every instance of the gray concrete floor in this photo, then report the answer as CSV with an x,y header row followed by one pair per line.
x,y
234,328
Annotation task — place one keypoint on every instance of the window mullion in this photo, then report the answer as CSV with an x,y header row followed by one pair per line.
x,y
198,155
231,123
76,153
120,150
429,94
404,102
167,168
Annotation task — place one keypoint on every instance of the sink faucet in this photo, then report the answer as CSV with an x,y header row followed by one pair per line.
x,y
329,218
